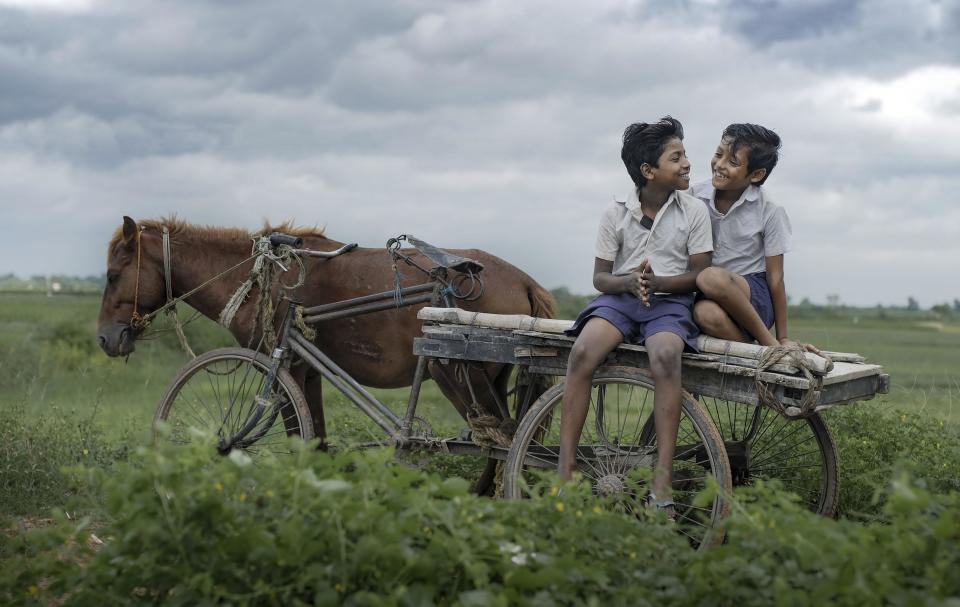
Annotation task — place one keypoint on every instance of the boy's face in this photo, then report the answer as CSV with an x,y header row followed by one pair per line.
x,y
673,170
730,170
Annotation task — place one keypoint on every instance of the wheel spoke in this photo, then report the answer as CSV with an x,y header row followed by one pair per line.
x,y
216,392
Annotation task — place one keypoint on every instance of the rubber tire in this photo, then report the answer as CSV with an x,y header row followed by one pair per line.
x,y
260,361
703,425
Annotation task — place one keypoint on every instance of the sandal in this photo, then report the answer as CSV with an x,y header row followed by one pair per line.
x,y
665,506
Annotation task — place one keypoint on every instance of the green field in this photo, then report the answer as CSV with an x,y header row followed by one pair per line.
x,y
71,420
51,364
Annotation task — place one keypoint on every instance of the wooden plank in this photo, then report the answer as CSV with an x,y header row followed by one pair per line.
x,y
817,364
844,371
464,350
844,357
534,351
727,377
499,321
626,355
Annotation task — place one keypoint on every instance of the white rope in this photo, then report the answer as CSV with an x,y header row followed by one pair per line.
x,y
260,248
264,253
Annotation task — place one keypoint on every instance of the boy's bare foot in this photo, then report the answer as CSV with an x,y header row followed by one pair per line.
x,y
789,343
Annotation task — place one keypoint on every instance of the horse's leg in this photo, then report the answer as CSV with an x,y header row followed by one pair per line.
x,y
313,391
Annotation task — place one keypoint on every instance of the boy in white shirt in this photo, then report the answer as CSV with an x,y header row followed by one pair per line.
x,y
649,250
743,293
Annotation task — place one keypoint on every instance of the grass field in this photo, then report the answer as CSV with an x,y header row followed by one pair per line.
x,y
50,364
71,420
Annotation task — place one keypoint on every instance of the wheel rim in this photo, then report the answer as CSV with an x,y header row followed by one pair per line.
x,y
617,450
216,398
761,444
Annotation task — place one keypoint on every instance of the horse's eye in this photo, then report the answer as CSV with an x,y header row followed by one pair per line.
x,y
113,277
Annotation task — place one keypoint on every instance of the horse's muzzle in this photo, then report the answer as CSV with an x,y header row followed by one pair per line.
x,y
117,339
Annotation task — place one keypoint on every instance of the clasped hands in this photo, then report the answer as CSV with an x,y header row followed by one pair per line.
x,y
643,283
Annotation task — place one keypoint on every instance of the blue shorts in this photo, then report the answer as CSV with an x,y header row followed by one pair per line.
x,y
760,297
636,322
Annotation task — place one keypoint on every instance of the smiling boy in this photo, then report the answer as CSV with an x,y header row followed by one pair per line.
x,y
744,292
648,252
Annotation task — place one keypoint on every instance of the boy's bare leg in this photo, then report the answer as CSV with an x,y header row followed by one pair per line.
x,y
664,350
732,293
595,341
715,322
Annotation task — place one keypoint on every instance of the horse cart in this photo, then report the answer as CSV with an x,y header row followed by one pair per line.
x,y
748,412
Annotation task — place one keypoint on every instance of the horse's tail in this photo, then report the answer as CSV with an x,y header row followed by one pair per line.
x,y
542,303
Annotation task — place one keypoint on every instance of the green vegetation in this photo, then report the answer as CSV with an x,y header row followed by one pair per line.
x,y
190,530
354,529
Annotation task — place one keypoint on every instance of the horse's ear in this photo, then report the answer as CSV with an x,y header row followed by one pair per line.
x,y
129,230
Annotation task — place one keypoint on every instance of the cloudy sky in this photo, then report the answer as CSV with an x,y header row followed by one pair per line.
x,y
491,124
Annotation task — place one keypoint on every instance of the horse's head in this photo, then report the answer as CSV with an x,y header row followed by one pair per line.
x,y
134,288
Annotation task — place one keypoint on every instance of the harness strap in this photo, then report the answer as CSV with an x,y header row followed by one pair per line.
x,y
167,264
172,310
145,319
135,317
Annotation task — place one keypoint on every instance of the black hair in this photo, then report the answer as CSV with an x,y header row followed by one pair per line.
x,y
643,144
763,146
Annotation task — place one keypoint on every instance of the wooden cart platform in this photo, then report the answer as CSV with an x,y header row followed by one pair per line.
x,y
722,369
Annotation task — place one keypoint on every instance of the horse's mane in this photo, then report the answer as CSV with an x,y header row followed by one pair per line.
x,y
179,228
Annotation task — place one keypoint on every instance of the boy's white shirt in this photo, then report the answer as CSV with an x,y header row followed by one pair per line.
x,y
753,229
680,229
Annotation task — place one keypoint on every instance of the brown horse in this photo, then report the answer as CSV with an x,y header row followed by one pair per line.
x,y
375,348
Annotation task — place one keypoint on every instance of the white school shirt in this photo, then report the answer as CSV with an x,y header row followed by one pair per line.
x,y
680,229
753,229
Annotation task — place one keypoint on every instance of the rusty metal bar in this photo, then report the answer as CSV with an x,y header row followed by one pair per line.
x,y
349,303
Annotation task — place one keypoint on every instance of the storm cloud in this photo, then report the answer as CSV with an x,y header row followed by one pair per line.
x,y
489,124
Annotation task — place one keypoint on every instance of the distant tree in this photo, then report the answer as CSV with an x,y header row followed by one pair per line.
x,y
912,304
956,305
833,300
806,303
942,310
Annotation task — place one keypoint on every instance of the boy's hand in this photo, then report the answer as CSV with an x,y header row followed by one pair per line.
x,y
649,282
634,285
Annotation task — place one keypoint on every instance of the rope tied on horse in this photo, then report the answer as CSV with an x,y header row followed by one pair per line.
x,y
172,310
795,357
267,258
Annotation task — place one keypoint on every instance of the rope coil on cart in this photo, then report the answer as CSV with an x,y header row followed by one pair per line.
x,y
795,357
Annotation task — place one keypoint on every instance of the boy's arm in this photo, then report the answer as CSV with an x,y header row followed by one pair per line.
x,y
681,283
605,281
778,293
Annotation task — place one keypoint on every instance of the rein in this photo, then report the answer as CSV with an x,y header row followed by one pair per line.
x,y
142,321
260,275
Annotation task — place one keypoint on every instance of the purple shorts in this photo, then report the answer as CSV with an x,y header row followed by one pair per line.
x,y
670,313
760,297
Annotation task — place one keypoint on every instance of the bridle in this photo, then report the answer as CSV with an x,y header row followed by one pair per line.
x,y
137,321
141,322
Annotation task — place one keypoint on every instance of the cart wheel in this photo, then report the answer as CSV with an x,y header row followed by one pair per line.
x,y
215,393
762,444
615,456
